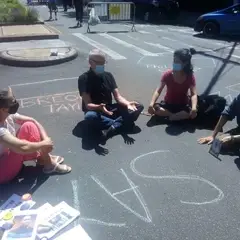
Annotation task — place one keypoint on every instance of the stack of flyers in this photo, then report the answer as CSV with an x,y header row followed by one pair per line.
x,y
13,205
24,227
55,220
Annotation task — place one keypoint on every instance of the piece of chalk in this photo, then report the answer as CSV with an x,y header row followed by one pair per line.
x,y
26,197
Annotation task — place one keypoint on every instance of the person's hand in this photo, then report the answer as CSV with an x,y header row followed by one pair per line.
x,y
205,140
193,113
47,145
226,140
104,109
132,106
151,110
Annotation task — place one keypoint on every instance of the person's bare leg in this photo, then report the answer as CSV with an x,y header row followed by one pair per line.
x,y
161,112
56,159
49,164
182,115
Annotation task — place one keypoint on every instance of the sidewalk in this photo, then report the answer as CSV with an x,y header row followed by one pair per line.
x,y
27,32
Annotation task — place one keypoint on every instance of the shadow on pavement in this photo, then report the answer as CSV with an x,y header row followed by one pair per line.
x,y
220,38
225,62
92,140
28,181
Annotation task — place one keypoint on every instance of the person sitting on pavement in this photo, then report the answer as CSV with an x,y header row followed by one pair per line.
x,y
96,87
229,113
31,142
177,105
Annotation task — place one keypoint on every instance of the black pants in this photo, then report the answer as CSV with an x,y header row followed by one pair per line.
x,y
121,117
79,10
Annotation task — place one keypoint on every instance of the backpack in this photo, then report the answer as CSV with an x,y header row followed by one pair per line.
x,y
209,110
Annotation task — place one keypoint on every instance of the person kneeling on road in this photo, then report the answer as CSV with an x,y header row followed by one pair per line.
x,y
176,105
31,142
229,113
96,88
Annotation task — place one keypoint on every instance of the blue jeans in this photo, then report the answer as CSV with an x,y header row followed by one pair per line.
x,y
121,117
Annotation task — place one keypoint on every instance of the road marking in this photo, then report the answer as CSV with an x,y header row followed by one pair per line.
x,y
144,32
128,45
192,37
41,82
48,95
181,30
76,202
114,55
177,41
159,46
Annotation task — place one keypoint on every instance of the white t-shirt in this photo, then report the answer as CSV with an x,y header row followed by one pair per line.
x,y
7,127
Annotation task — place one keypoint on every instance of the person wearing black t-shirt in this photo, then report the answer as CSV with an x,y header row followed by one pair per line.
x,y
96,88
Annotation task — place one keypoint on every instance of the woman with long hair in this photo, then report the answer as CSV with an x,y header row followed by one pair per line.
x,y
177,104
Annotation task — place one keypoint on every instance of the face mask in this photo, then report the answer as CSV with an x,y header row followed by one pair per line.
x,y
99,69
14,108
177,67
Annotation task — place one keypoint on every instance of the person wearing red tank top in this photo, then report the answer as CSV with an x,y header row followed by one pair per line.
x,y
178,104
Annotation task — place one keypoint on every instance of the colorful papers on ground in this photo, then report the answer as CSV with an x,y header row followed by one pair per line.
x,y
55,220
24,227
44,223
12,206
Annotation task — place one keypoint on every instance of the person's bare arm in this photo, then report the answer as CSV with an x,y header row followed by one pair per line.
x,y
88,103
194,98
20,146
20,119
119,98
157,94
221,122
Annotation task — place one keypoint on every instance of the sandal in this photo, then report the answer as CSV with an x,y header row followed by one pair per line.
x,y
58,169
59,160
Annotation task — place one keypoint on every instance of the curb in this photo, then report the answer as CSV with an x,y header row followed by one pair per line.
x,y
27,38
9,60
53,34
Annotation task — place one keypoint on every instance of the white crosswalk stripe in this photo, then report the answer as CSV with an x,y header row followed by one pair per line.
x,y
114,55
128,45
154,42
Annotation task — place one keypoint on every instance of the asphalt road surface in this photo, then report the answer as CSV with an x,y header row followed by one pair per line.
x,y
156,184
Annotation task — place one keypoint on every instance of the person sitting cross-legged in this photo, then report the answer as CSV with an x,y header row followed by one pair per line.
x,y
30,142
178,81
96,87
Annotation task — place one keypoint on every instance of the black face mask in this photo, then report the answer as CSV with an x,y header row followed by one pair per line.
x,y
13,108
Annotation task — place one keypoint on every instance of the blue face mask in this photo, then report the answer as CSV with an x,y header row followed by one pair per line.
x,y
100,69
177,67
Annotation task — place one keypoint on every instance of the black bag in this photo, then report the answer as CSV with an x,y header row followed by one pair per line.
x,y
209,110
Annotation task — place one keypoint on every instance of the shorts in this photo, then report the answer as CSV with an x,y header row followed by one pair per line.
x,y
52,6
173,108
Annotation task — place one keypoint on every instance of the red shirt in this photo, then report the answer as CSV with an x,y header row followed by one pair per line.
x,y
177,93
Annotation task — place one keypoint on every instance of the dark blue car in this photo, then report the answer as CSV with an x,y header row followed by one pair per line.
x,y
224,22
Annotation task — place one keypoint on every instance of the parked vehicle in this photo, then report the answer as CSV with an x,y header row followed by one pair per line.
x,y
225,21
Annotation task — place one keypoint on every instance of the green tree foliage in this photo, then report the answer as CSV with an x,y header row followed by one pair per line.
x,y
11,11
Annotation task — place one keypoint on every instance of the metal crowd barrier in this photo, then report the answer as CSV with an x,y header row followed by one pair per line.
x,y
113,12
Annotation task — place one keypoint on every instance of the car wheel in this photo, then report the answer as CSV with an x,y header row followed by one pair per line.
x,y
210,29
